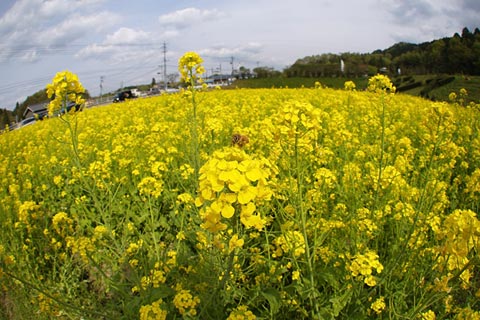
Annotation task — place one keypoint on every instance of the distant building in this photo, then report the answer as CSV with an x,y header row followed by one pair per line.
x,y
39,111
219,79
383,70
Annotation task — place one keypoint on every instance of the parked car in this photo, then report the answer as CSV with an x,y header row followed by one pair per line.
x,y
41,115
70,105
122,95
27,121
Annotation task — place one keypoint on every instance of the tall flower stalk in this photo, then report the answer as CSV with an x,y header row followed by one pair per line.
x,y
64,90
191,69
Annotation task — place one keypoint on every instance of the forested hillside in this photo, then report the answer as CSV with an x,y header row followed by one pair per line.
x,y
459,54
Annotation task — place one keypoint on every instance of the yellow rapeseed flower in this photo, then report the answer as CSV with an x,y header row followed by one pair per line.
x,y
378,305
363,265
153,311
190,67
380,83
428,315
349,86
235,242
186,303
65,88
229,180
241,313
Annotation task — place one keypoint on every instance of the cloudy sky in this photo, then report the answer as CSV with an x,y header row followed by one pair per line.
x,y
122,40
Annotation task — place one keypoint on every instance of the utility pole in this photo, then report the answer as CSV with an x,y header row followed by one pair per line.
x,y
165,65
101,87
220,72
231,62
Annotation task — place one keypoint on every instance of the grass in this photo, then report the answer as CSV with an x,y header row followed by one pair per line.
x,y
297,82
470,83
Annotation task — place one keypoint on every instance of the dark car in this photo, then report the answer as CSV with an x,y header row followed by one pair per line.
x,y
70,105
27,121
121,96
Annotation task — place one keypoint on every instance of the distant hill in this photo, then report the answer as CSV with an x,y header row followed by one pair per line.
x,y
459,54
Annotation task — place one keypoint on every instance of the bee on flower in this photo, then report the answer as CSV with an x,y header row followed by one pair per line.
x,y
239,140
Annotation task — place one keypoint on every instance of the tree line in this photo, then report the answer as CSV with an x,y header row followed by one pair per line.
x,y
459,54
8,117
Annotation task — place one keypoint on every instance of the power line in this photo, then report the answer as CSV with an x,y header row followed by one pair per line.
x,y
165,65
64,49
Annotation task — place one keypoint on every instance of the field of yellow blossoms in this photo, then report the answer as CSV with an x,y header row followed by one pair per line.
x,y
244,204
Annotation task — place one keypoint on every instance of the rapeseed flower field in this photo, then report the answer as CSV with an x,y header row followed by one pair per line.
x,y
244,204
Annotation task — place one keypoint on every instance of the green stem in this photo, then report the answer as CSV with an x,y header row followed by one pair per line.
x,y
382,151
153,219
194,130
303,217
78,310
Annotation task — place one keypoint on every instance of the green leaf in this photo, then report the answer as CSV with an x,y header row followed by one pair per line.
x,y
273,298
161,292
340,302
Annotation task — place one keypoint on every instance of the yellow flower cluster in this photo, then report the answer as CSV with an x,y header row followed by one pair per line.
x,y
349,86
460,235
297,117
190,67
380,83
99,232
186,303
27,211
65,87
378,305
153,311
155,278
150,187
62,223
82,246
232,181
289,242
241,313
235,242
363,265
428,315
467,314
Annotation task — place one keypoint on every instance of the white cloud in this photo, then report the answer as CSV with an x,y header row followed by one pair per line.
x,y
122,45
127,36
242,51
424,20
75,27
53,7
31,27
189,17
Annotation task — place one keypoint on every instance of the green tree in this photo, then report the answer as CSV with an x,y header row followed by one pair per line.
x,y
476,56
468,38
244,72
459,56
266,72
435,57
